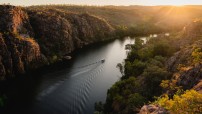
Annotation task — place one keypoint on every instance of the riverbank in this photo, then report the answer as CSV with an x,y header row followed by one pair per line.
x,y
69,89
165,73
31,39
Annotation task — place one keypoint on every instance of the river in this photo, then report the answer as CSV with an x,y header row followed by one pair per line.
x,y
73,89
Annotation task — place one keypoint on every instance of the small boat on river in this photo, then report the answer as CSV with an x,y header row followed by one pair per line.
x,y
103,60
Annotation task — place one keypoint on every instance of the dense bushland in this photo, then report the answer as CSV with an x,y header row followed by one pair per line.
x,y
166,66
144,70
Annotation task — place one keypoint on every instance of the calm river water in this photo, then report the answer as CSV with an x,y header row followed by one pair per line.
x,y
73,89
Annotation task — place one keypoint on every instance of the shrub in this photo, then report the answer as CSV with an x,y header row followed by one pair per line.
x,y
153,75
188,103
197,55
162,49
122,95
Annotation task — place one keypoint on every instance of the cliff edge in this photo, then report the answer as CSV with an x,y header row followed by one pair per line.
x,y
30,39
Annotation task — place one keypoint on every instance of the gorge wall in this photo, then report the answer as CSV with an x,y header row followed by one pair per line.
x,y
185,66
30,39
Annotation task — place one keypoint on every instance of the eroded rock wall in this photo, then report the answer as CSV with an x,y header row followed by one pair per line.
x,y
30,39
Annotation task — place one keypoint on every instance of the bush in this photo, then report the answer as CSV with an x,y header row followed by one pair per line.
x,y
197,55
162,49
153,75
99,106
188,103
122,95
135,100
135,68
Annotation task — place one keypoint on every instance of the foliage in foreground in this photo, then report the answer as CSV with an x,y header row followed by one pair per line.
x,y
188,103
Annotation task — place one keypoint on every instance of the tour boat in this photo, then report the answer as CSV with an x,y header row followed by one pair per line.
x,y
103,60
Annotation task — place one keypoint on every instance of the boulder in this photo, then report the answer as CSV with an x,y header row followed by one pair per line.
x,y
152,109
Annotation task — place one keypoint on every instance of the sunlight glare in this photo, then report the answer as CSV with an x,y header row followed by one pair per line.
x,y
176,2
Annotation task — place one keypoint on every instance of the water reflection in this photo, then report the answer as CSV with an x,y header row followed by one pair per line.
x,y
75,89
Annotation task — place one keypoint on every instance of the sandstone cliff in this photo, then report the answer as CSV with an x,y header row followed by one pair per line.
x,y
30,39
74,30
186,63
18,50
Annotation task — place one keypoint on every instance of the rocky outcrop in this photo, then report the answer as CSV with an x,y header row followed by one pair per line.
x,y
15,20
177,59
185,64
19,51
198,87
5,59
30,39
67,30
190,78
153,109
186,71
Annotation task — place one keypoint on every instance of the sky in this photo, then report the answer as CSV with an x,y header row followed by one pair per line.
x,y
103,2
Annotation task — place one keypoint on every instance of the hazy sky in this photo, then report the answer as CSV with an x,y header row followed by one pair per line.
x,y
104,2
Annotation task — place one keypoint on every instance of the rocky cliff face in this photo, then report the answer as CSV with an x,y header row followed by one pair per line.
x,y
74,30
30,39
185,64
186,67
18,50
14,19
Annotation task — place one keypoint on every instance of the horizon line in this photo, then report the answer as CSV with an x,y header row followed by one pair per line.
x,y
99,5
